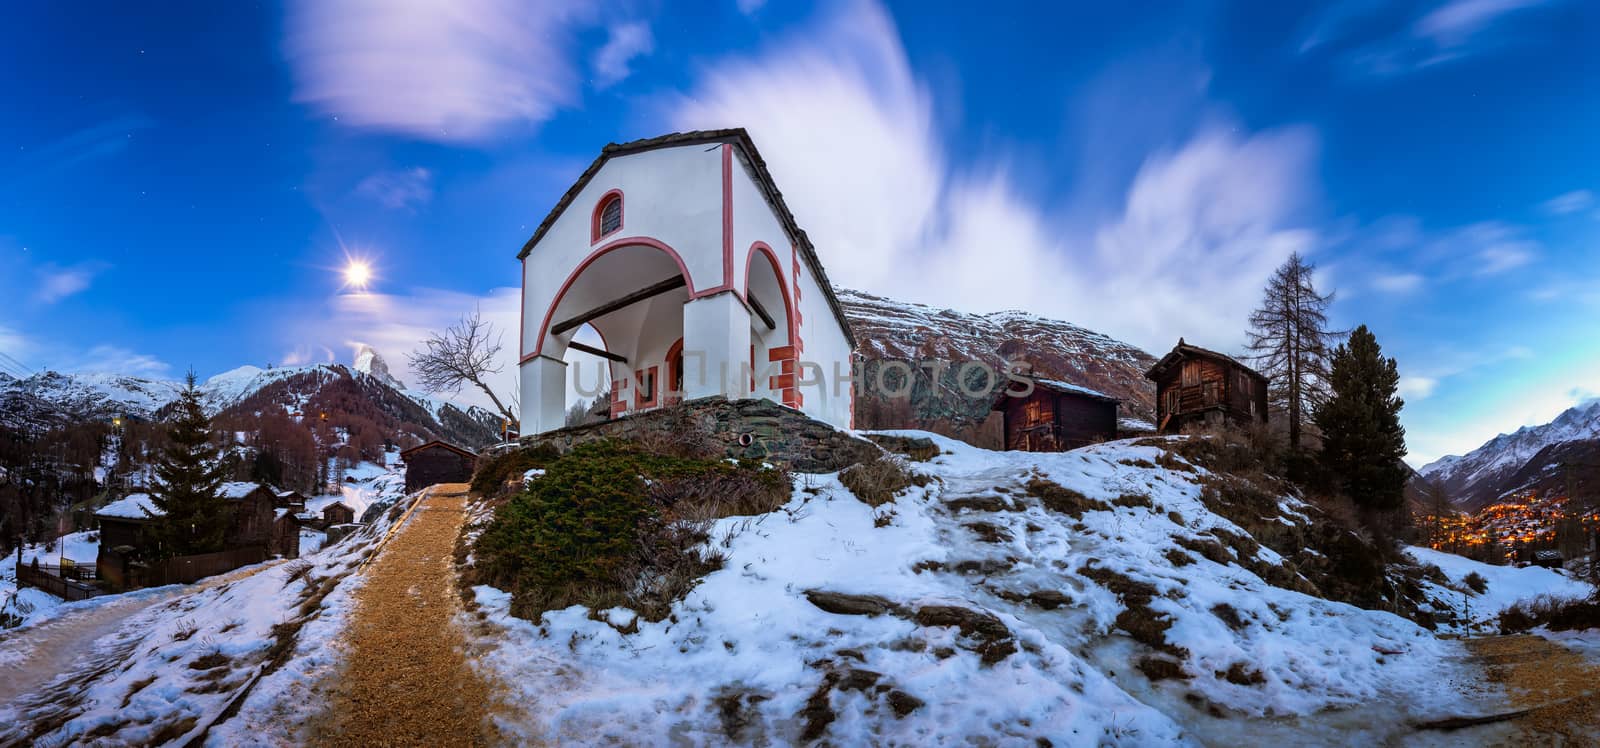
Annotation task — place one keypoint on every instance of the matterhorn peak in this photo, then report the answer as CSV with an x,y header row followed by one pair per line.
x,y
369,362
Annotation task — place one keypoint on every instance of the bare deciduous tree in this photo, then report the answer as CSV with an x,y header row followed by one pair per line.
x,y
1289,341
463,354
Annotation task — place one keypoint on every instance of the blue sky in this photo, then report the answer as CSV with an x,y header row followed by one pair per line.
x,y
179,185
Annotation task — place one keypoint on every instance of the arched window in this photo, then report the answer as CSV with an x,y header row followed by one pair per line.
x,y
607,215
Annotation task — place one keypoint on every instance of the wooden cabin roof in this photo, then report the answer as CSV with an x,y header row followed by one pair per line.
x,y
1183,351
738,137
406,454
1061,388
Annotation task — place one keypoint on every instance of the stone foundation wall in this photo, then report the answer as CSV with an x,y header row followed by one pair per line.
x,y
751,428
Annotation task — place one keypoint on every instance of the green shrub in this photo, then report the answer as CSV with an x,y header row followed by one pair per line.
x,y
610,524
492,475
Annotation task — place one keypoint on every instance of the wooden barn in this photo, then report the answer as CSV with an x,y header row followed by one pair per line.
x,y
337,513
437,462
257,531
1056,416
1199,386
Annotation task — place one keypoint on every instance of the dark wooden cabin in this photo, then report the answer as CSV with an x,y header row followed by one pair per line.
x,y
258,529
337,513
437,462
1056,417
1199,386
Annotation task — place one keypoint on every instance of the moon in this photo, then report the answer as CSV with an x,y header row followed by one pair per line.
x,y
357,274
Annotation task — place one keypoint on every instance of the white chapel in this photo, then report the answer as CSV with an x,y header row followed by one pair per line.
x,y
680,253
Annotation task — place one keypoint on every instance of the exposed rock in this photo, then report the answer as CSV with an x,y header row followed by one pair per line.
x,y
994,642
756,429
845,604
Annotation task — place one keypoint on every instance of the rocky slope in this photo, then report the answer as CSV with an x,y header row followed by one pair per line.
x,y
1532,457
893,330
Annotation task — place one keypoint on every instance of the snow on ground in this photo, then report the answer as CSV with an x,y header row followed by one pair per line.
x,y
372,481
1505,586
168,671
28,604
746,657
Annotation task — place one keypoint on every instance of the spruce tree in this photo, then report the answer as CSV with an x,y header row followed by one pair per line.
x,y
193,516
1289,341
1363,442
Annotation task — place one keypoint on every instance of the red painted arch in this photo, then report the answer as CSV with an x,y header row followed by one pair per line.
x,y
783,288
629,241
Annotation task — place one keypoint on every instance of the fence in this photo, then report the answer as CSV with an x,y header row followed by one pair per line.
x,y
186,569
57,583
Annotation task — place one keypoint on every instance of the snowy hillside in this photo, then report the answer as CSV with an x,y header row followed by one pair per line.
x,y
173,658
1090,597
1508,461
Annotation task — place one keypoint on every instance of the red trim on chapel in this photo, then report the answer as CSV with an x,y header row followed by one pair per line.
x,y
600,209
645,241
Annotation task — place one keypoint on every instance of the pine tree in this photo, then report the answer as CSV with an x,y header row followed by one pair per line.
x,y
1289,341
1363,442
193,516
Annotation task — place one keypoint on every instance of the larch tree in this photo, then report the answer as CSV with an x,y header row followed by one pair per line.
x,y
1363,443
1289,341
463,354
193,516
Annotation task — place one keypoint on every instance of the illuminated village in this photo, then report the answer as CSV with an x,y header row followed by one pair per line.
x,y
1512,529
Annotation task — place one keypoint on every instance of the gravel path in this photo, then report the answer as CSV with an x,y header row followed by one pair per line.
x,y
1558,685
407,682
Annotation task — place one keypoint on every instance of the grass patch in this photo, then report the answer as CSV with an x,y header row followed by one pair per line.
x,y
1059,498
613,524
878,481
1559,614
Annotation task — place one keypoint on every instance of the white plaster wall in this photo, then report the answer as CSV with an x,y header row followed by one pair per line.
x,y
673,195
827,348
754,220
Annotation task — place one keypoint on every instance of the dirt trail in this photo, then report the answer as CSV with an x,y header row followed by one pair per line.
x,y
34,656
407,682
1559,686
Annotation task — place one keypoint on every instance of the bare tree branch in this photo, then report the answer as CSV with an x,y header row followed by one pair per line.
x,y
463,354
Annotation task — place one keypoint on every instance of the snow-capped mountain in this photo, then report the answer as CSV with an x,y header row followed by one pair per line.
x,y
1529,457
370,363
52,399
887,329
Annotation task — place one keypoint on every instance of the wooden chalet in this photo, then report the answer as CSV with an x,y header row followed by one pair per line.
x,y
437,462
337,513
1056,417
259,529
1199,386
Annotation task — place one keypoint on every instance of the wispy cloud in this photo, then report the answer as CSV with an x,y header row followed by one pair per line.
x,y
57,283
749,7
394,325
1417,388
1569,203
1385,39
114,359
1397,283
399,190
625,43
456,72
99,140
849,133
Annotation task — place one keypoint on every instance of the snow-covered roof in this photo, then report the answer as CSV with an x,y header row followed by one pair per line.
x,y
239,489
132,506
1068,387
